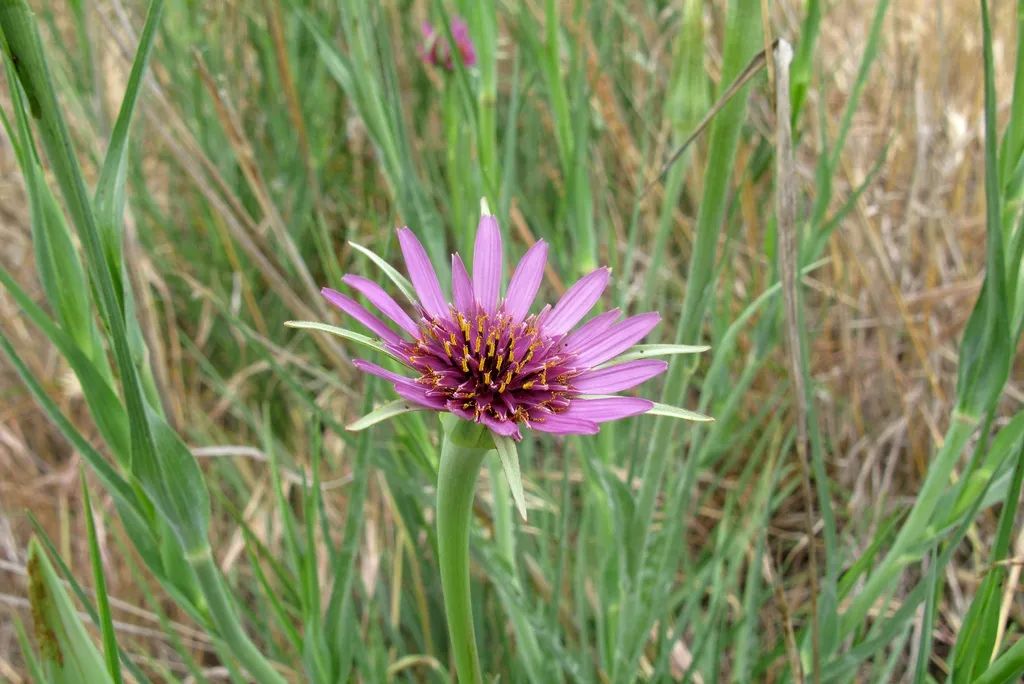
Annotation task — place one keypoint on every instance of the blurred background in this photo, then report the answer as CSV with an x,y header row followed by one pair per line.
x,y
270,134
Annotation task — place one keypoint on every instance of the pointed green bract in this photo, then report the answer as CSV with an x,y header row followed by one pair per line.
x,y
509,455
400,281
340,332
677,412
382,413
648,351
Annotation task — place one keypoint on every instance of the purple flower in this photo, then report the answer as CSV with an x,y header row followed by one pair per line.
x,y
487,359
437,51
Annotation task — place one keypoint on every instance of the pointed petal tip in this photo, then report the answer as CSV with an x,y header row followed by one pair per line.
x,y
487,263
422,274
577,301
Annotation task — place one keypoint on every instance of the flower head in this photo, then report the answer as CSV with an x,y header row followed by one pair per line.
x,y
487,359
437,51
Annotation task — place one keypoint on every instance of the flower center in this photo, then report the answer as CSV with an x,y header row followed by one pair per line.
x,y
482,364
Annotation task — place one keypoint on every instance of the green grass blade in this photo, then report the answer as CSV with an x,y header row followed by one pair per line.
x,y
69,654
110,648
340,332
110,188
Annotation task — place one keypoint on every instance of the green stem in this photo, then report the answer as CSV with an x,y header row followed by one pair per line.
x,y
456,484
229,628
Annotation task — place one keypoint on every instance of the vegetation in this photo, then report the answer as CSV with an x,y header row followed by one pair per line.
x,y
182,501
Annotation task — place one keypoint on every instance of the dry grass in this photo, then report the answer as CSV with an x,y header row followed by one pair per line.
x,y
902,273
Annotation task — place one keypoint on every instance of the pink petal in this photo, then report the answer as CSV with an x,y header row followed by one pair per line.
x,y
418,395
618,339
381,372
522,288
561,424
356,311
576,302
501,427
619,377
590,330
462,286
487,263
422,274
611,408
383,301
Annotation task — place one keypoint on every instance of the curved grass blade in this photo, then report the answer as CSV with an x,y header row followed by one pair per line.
x,y
400,281
102,601
382,413
340,332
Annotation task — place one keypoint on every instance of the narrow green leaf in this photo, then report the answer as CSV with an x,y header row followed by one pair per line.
x,y
35,667
110,198
986,352
400,281
648,351
977,635
68,652
104,405
340,332
509,456
102,601
112,480
382,413
65,572
676,412
60,270
1006,668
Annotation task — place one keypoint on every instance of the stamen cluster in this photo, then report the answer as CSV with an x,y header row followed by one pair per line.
x,y
481,364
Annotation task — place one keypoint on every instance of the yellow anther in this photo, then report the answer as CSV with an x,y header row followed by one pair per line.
x,y
501,360
448,348
528,384
476,345
465,365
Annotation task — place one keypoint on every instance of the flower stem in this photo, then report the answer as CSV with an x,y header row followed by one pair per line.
x,y
456,484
